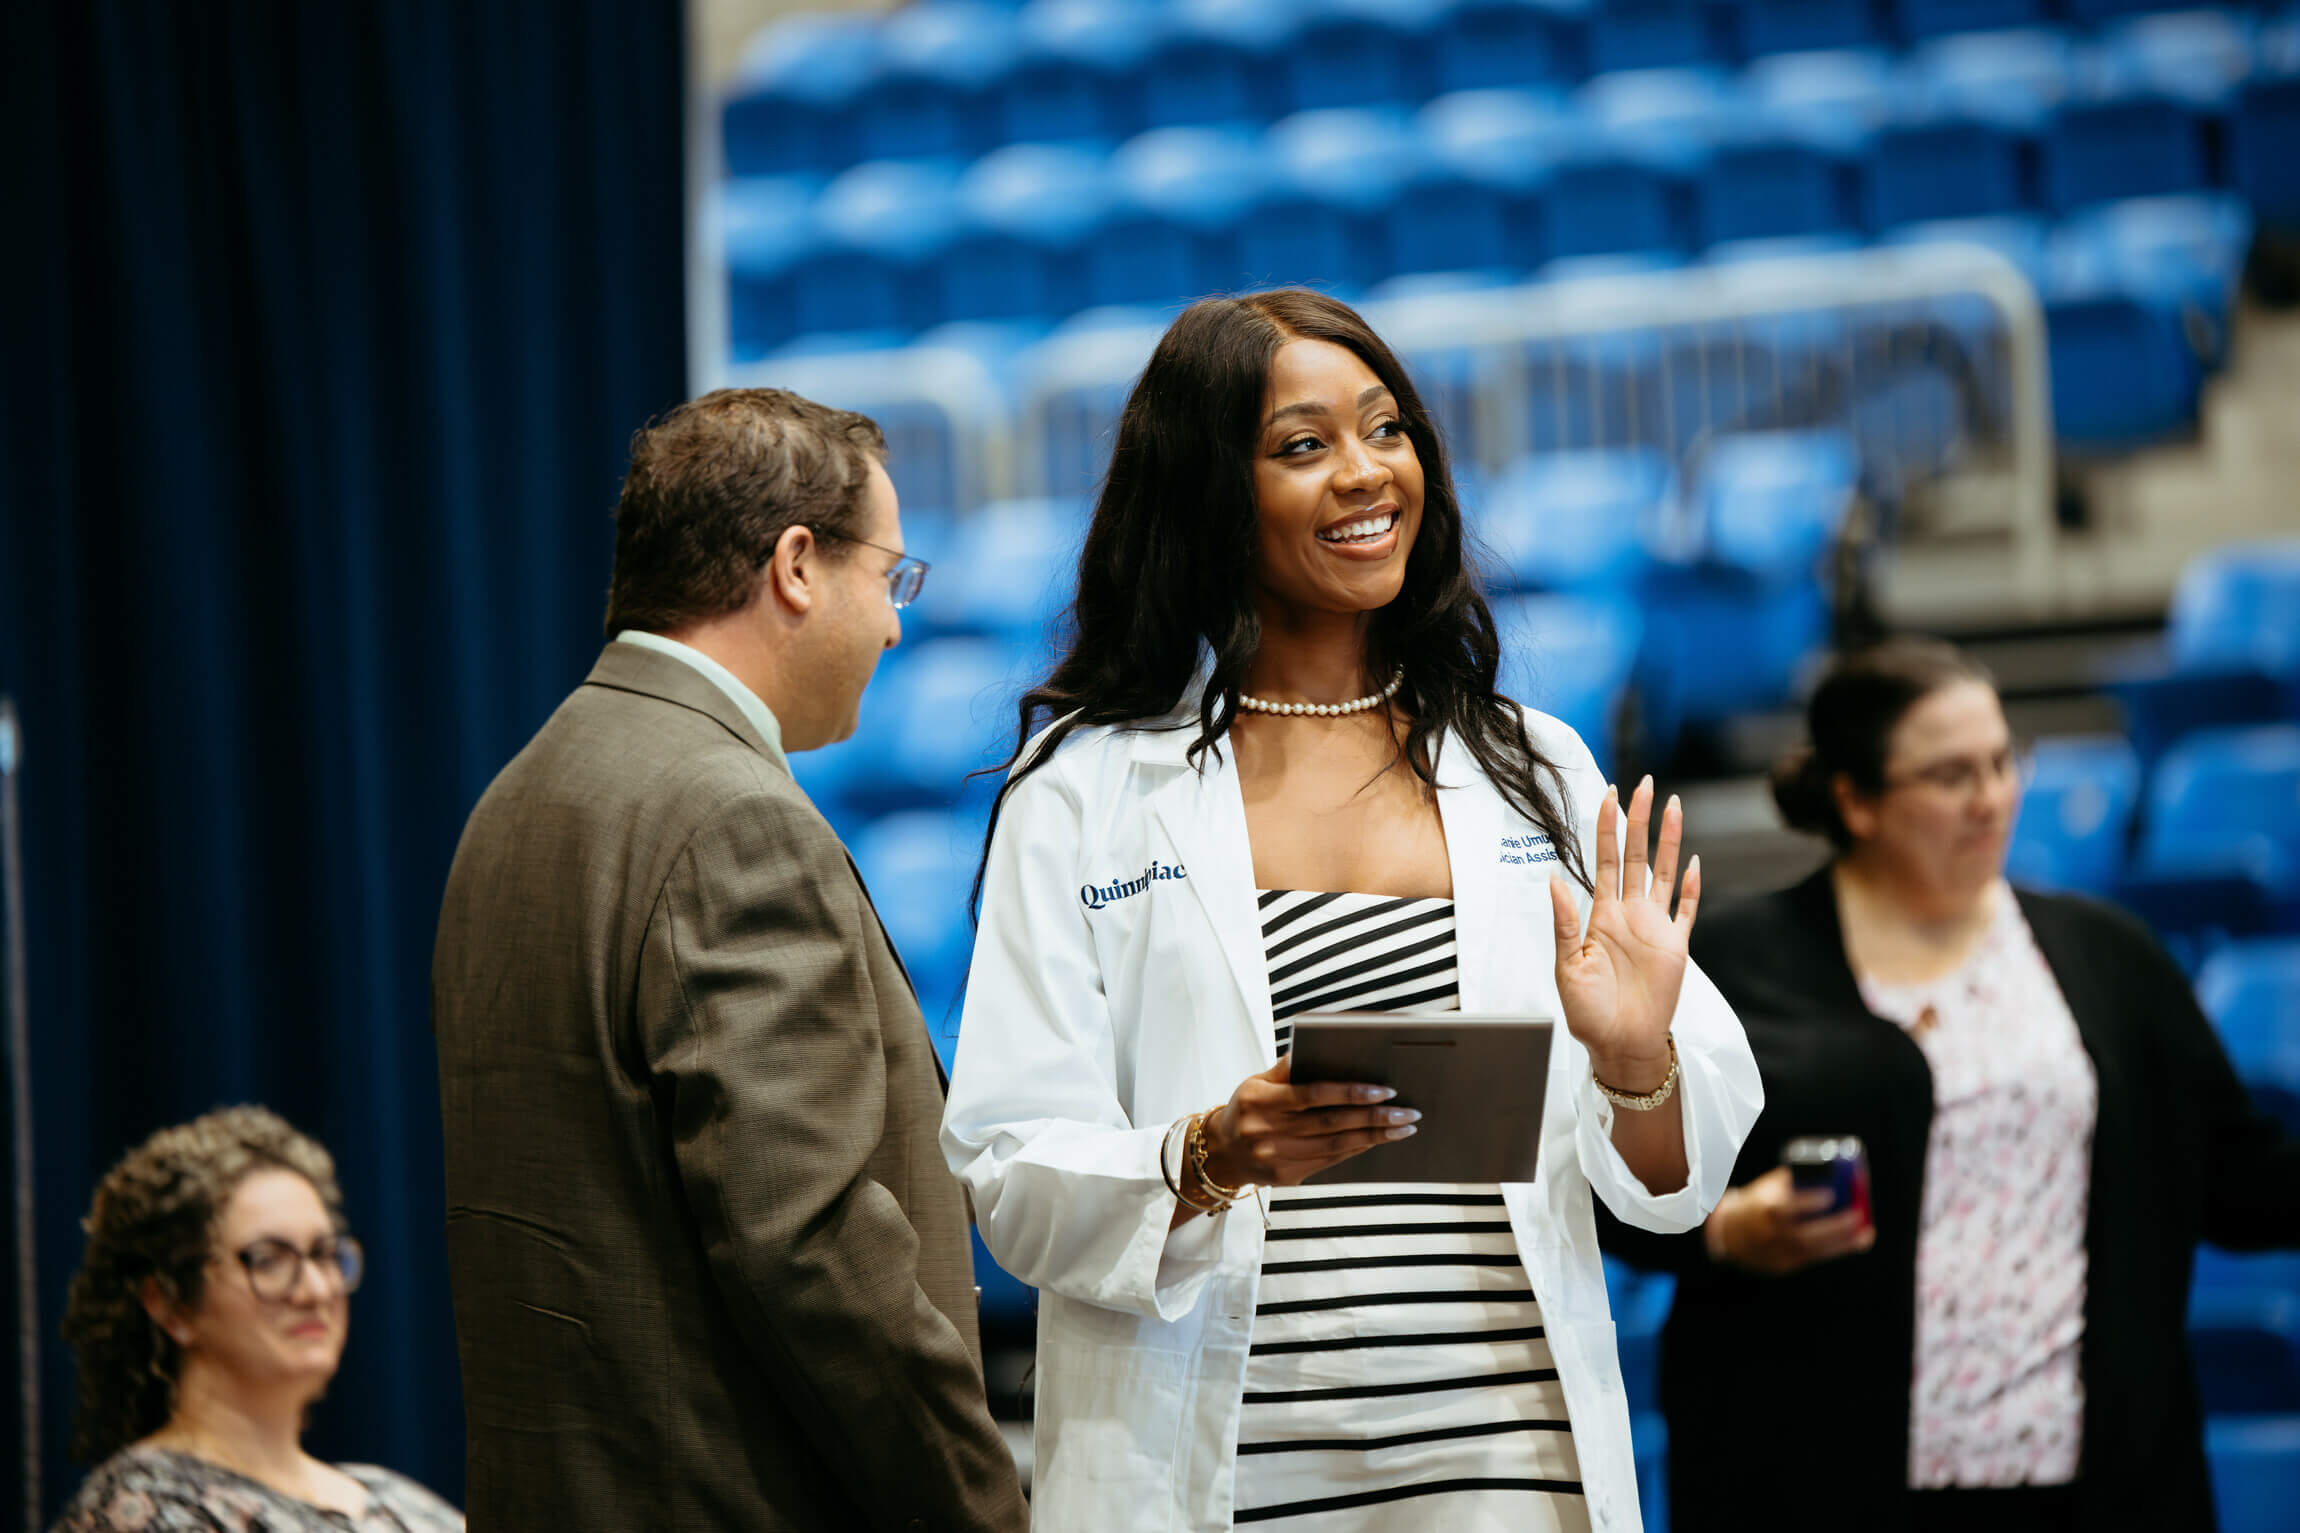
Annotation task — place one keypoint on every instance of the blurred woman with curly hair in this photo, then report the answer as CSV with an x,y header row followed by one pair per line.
x,y
209,1313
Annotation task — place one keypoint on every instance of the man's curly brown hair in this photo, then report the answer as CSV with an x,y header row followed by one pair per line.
x,y
154,1217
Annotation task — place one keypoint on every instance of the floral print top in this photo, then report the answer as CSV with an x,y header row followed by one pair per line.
x,y
1997,1398
157,1490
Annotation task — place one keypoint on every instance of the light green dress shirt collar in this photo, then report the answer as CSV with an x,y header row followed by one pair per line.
x,y
744,699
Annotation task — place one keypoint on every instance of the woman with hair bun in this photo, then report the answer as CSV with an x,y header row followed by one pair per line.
x,y
207,1316
1996,1337
1274,777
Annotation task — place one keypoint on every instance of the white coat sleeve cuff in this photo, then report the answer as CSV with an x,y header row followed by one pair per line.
x,y
1165,1267
1610,1177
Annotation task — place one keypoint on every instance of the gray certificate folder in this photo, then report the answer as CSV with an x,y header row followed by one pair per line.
x,y
1477,1080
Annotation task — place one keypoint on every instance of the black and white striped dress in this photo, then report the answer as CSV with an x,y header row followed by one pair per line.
x,y
1398,1377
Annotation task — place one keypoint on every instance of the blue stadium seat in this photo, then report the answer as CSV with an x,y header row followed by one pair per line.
x,y
1772,503
1791,26
1789,168
1571,657
1029,210
766,226
2255,1464
1181,193
881,225
2232,649
1488,44
2124,371
940,710
2077,814
2247,1348
1959,144
1931,18
936,91
2199,57
2013,78
1624,187
1721,642
2184,255
1349,53
791,106
1335,175
2240,606
1077,74
1653,34
1474,203
2263,127
919,864
2106,144
2220,846
1570,520
2251,990
1012,569
1216,62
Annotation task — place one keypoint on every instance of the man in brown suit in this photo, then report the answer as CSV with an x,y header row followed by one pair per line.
x,y
710,1269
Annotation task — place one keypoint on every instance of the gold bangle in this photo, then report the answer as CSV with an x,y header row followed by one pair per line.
x,y
1194,1145
1197,1142
1188,1124
1651,1099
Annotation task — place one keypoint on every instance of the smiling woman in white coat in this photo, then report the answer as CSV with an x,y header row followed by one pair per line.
x,y
1271,775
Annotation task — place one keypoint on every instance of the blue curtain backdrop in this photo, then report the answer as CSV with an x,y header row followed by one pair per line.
x,y
327,326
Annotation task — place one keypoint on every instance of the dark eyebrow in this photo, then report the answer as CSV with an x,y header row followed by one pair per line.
x,y
1311,407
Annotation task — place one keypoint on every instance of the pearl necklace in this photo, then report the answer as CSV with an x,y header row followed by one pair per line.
x,y
1327,710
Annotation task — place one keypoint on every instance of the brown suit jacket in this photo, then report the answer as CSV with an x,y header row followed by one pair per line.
x,y
710,1270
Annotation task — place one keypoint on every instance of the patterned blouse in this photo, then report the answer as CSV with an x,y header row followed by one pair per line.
x,y
1997,1398
157,1490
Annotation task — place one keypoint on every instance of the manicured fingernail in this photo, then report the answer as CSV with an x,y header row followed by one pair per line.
x,y
1403,1133
1375,1093
1672,801
1647,784
1403,1115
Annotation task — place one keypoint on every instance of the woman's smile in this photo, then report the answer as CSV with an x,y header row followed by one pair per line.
x,y
1365,535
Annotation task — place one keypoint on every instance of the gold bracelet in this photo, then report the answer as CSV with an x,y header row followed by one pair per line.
x,y
1188,1124
1198,1162
1650,1099
1194,1144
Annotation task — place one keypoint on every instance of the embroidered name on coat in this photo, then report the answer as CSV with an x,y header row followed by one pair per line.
x,y
1519,850
1095,896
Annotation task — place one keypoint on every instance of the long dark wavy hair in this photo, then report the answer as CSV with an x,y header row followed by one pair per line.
x,y
1167,569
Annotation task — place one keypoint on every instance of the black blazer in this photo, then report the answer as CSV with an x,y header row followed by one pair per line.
x,y
1788,1397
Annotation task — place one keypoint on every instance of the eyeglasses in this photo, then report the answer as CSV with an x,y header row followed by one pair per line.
x,y
1968,775
274,1267
903,582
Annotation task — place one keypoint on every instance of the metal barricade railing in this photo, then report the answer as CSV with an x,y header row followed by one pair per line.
x,y
1931,358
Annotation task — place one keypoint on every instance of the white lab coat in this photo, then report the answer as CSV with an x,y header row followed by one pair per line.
x,y
1118,984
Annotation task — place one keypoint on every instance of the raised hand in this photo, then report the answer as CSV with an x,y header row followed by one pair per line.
x,y
1619,979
